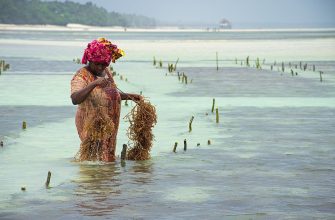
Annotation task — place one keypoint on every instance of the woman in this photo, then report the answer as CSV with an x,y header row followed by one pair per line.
x,y
93,88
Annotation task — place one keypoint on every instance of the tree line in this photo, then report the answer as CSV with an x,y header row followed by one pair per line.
x,y
63,13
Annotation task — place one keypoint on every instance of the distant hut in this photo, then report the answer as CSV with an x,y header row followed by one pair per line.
x,y
225,24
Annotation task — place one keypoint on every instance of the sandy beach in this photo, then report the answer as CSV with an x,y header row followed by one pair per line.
x,y
80,27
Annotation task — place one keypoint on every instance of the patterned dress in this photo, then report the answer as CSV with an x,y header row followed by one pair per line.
x,y
107,99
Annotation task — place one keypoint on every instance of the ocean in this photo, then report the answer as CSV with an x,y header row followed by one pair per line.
x,y
271,154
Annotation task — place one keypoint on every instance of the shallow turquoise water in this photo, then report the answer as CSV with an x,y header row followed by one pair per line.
x,y
272,154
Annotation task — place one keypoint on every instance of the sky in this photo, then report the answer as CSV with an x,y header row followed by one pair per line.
x,y
242,13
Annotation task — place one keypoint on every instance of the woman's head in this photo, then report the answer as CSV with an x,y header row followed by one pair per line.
x,y
101,51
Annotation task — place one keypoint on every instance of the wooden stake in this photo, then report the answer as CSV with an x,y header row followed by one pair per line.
x,y
321,76
24,125
124,152
213,105
185,145
217,61
209,142
190,124
1,143
175,147
217,115
175,65
48,180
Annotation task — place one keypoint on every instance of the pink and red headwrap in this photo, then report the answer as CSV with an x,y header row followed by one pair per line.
x,y
101,51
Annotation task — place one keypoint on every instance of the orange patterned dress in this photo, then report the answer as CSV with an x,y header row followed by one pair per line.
x,y
107,98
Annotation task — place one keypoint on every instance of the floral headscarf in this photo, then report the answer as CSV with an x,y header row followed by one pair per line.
x,y
101,51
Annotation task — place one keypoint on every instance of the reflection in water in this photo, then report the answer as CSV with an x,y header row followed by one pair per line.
x,y
97,186
142,171
103,188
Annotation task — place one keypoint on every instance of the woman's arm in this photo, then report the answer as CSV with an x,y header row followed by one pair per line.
x,y
80,96
130,96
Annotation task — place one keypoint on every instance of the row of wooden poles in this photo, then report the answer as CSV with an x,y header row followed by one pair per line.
x,y
47,183
184,79
190,127
172,68
24,126
185,145
280,66
3,66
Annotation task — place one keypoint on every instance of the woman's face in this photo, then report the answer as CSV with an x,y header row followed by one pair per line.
x,y
98,68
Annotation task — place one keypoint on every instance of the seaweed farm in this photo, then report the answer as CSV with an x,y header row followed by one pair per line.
x,y
245,127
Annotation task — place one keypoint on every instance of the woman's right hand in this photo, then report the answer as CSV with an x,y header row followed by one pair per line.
x,y
102,82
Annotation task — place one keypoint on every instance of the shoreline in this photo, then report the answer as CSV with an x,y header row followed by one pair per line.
x,y
79,28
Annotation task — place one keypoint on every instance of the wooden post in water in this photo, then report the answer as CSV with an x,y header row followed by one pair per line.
x,y
24,125
190,124
213,105
185,145
48,180
313,68
217,61
175,65
321,76
175,147
292,72
217,115
1,143
124,152
209,142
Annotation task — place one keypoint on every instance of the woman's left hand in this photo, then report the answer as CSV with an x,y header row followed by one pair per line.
x,y
137,97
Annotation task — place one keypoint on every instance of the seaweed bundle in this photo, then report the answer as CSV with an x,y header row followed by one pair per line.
x,y
99,127
142,119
